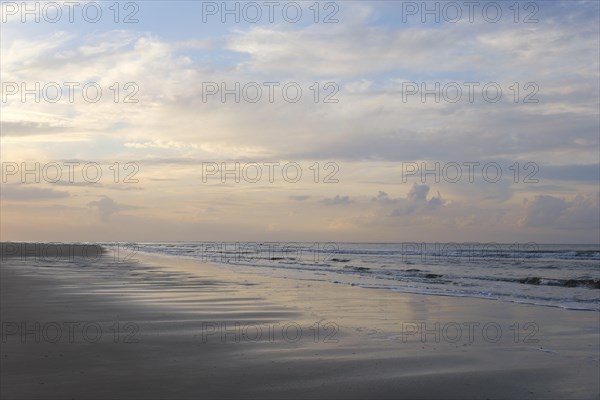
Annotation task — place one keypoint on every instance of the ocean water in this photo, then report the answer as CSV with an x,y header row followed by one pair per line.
x,y
566,276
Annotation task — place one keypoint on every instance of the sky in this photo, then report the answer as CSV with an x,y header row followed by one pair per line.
x,y
301,121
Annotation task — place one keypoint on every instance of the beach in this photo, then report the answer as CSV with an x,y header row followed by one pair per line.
x,y
157,326
360,199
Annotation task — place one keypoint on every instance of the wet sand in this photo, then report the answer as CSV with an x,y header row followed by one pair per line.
x,y
162,327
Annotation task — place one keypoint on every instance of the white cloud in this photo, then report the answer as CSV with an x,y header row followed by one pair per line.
x,y
368,133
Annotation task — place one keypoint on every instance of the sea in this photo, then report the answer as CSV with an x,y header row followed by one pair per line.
x,y
556,275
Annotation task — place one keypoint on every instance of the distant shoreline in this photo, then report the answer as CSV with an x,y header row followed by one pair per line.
x,y
50,250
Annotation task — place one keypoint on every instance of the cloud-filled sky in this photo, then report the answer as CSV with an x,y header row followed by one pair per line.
x,y
342,161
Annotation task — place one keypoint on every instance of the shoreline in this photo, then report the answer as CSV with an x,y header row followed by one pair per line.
x,y
243,263
353,342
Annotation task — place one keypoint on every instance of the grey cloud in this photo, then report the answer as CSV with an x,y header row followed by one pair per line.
x,y
414,202
85,183
337,201
580,212
107,207
24,193
582,173
300,198
544,210
27,128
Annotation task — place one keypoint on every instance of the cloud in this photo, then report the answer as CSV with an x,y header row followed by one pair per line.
x,y
300,198
75,183
160,144
24,193
25,128
415,201
337,201
362,46
582,173
544,210
169,79
579,212
107,207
